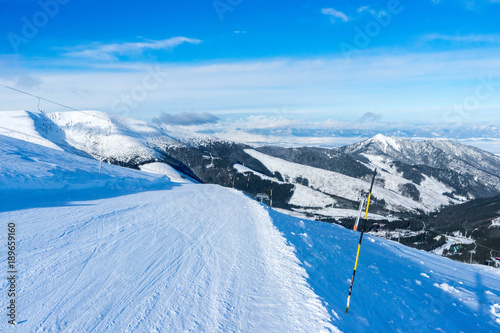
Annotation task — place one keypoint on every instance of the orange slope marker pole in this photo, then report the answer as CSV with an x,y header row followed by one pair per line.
x,y
271,202
360,239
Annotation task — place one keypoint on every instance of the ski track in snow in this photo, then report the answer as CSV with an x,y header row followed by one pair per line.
x,y
172,261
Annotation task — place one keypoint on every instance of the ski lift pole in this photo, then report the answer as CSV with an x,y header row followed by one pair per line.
x,y
360,239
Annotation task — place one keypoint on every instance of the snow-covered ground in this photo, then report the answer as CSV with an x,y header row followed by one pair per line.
x,y
202,258
180,258
21,125
27,166
96,133
167,261
166,170
397,289
495,223
452,240
431,191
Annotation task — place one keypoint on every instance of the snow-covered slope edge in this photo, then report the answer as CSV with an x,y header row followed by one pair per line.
x,y
27,169
397,289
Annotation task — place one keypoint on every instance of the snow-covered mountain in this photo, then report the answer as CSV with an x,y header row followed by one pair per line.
x,y
332,185
127,251
414,176
472,165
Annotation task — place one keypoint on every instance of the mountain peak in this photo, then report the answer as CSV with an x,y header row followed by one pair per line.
x,y
385,142
380,137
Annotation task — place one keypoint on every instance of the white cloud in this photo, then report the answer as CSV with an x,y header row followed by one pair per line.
x,y
363,9
397,86
186,118
111,51
480,38
334,14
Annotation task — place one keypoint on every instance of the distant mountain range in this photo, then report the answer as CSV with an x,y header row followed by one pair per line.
x,y
415,178
372,129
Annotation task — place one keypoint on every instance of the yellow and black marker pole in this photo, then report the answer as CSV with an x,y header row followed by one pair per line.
x,y
360,239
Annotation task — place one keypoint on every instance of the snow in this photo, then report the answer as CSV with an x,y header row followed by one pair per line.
x,y
311,201
182,258
21,125
28,166
165,169
386,142
307,197
437,153
119,138
342,213
341,185
495,223
203,258
446,287
100,134
389,293
431,191
495,311
168,260
451,240
243,169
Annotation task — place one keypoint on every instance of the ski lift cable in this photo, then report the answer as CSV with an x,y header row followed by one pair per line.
x,y
50,101
489,248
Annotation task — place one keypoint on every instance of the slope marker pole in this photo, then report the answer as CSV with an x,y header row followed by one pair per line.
x,y
360,239
271,201
361,203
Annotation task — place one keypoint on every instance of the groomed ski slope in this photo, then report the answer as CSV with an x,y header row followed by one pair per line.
x,y
202,258
166,261
177,260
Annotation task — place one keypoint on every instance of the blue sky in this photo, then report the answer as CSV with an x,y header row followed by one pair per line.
x,y
416,61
